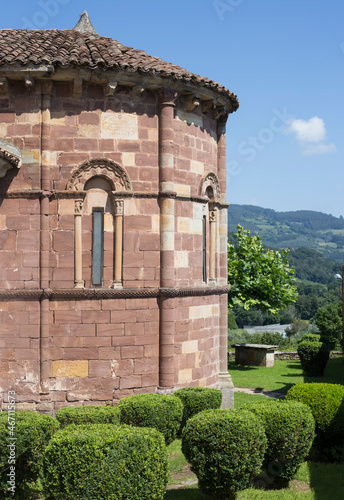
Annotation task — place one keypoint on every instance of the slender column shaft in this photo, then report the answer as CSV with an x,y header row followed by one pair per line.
x,y
78,281
118,247
212,244
44,236
167,272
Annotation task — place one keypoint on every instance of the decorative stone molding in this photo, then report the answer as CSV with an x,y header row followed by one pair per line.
x,y
111,171
167,194
24,193
110,293
210,179
10,156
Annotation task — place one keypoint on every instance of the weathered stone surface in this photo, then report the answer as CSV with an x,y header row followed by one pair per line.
x,y
65,368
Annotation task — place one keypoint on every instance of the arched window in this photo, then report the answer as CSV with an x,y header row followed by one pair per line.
x,y
98,223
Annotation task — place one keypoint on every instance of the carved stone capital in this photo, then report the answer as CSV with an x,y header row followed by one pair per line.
x,y
118,207
212,214
168,97
78,207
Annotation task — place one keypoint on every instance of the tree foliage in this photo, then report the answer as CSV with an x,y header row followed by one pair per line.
x,y
258,277
329,320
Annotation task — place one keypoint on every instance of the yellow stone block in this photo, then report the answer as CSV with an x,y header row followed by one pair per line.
x,y
131,206
181,259
64,368
183,224
182,190
91,131
108,223
189,346
119,126
128,159
185,376
66,207
197,167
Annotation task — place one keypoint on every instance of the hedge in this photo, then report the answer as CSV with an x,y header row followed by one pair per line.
x,y
289,427
314,356
326,402
225,449
88,415
21,454
197,399
158,411
105,462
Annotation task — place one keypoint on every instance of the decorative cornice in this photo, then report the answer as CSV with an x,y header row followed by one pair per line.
x,y
101,293
23,193
167,194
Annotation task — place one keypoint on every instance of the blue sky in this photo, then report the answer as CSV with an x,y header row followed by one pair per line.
x,y
284,60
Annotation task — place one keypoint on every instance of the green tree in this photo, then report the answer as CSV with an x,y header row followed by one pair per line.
x,y
329,320
258,277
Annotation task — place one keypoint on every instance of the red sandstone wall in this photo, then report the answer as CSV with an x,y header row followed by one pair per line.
x,y
102,349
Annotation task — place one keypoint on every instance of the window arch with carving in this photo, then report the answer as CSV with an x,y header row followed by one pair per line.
x,y
210,188
98,223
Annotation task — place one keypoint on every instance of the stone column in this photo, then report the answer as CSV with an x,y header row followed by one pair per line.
x,y
46,95
78,281
119,210
167,273
225,380
212,244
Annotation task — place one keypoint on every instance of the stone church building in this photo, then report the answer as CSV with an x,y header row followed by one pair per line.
x,y
113,221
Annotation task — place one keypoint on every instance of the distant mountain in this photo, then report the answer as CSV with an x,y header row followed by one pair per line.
x,y
299,229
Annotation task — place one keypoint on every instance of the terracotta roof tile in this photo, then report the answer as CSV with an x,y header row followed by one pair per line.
x,y
72,48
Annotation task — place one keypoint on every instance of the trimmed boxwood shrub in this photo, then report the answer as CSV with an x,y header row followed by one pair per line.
x,y
105,462
32,432
88,415
225,449
314,356
326,402
161,412
197,399
289,427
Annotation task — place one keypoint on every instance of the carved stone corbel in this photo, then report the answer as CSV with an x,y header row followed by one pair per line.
x,y
111,87
191,102
207,106
137,91
220,114
10,156
3,85
29,83
78,86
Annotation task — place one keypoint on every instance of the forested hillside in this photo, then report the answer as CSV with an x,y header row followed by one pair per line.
x,y
315,259
299,229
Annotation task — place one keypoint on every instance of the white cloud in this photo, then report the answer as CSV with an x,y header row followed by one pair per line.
x,y
319,149
311,135
312,130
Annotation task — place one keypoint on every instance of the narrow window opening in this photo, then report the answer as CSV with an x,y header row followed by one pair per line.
x,y
97,246
204,248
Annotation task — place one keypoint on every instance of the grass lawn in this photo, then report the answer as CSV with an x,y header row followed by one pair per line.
x,y
312,481
283,375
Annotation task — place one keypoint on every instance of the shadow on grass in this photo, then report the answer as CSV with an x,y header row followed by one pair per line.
x,y
192,493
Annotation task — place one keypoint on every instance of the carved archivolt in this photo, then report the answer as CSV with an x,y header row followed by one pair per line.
x,y
10,156
113,173
210,179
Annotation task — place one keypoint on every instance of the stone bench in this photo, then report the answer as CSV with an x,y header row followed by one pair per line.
x,y
255,354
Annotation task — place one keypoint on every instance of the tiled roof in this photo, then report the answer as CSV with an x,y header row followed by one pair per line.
x,y
64,48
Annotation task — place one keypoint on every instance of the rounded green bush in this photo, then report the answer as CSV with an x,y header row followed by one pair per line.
x,y
161,412
88,415
314,356
105,462
21,447
326,402
197,399
289,428
225,449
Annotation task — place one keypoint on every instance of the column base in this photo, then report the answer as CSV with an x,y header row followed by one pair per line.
x,y
79,284
165,390
227,388
117,284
